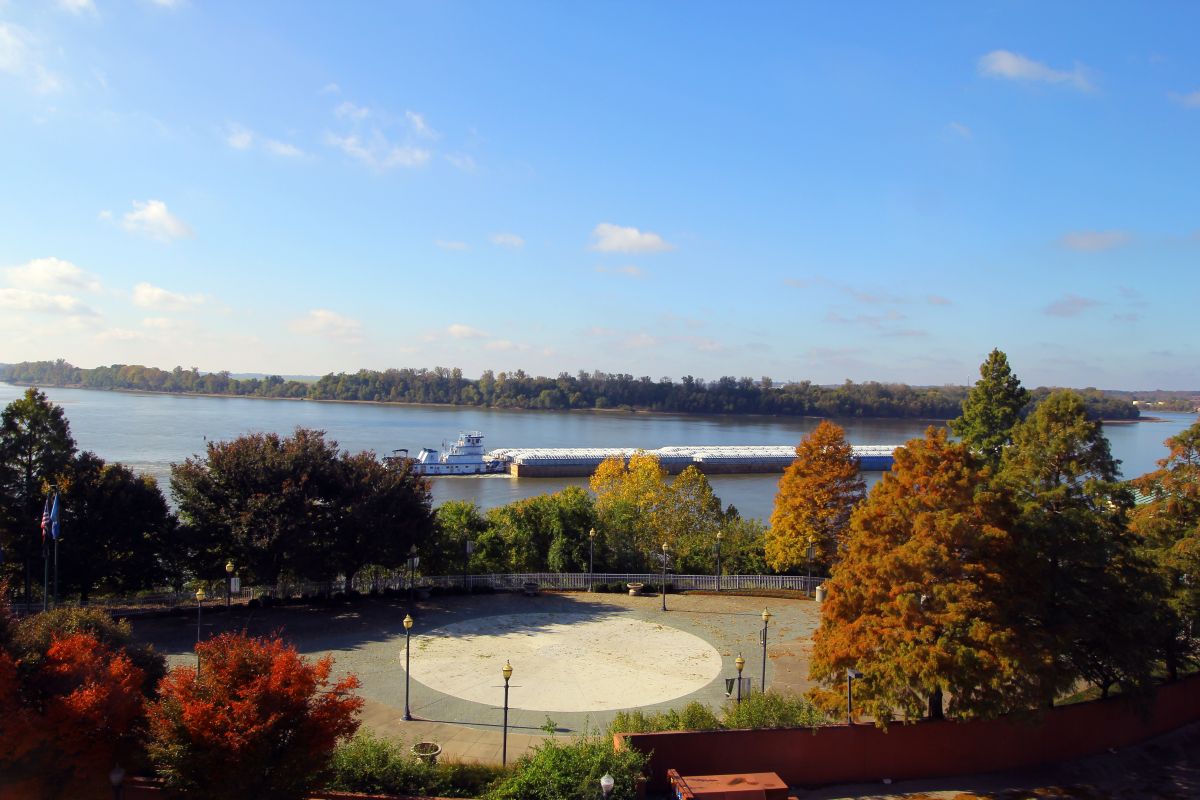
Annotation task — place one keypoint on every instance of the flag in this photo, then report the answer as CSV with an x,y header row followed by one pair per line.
x,y
46,519
55,528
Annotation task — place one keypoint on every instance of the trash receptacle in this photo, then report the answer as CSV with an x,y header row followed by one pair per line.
x,y
821,593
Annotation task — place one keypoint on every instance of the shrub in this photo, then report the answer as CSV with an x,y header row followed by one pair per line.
x,y
35,633
378,766
259,721
572,771
695,716
772,710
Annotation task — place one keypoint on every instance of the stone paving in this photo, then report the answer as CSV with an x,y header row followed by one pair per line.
x,y
577,658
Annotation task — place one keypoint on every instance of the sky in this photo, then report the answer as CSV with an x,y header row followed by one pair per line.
x,y
865,191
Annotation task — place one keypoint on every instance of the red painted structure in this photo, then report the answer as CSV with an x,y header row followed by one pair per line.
x,y
864,753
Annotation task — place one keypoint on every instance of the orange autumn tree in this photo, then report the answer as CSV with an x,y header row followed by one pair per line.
x,y
68,713
920,603
260,721
816,495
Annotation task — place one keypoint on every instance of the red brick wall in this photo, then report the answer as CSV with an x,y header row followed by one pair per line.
x,y
850,754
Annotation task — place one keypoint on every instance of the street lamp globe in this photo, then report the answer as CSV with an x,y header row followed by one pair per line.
x,y
507,671
740,663
606,784
229,567
200,595
766,616
408,622
592,533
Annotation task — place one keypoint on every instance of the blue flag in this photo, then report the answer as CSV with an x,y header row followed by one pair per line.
x,y
54,525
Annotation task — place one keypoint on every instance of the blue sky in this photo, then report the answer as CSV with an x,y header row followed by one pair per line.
x,y
872,191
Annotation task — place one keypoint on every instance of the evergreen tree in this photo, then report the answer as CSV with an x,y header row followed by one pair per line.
x,y
816,495
35,449
991,408
1088,599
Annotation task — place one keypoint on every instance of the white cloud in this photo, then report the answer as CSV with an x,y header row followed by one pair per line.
x,y
331,88
78,6
239,138
168,3
1069,305
507,240
640,341
379,153
348,110
1189,100
284,149
119,335
460,331
328,325
146,295
419,126
17,58
629,270
161,323
153,219
26,300
450,245
959,129
499,345
50,274
1095,241
1014,66
462,161
609,238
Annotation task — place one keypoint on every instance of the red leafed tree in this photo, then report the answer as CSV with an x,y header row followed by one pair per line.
x,y
260,721
66,717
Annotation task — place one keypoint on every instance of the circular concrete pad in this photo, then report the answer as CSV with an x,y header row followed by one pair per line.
x,y
564,662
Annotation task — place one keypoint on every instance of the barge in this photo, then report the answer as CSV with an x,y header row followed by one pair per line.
x,y
467,457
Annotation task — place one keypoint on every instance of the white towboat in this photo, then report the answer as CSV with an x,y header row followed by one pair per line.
x,y
464,457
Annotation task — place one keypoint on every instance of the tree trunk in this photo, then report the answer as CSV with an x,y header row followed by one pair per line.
x,y
935,704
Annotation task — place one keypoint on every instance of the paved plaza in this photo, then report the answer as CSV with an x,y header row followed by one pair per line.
x,y
577,658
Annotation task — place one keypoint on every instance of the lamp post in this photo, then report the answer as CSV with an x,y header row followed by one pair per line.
x,y
412,568
199,611
720,535
507,673
117,778
591,553
228,582
606,784
808,582
468,548
766,618
740,663
408,623
664,578
851,676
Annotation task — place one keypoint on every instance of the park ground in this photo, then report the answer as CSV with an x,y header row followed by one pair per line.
x,y
579,657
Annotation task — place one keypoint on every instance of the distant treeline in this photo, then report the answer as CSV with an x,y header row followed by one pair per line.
x,y
597,390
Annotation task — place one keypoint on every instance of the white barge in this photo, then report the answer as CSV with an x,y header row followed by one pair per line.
x,y
466,457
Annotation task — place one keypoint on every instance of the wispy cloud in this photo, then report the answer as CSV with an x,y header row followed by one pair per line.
x,y
461,161
50,274
507,240
348,110
283,149
460,331
1070,305
609,238
326,324
381,140
1008,65
629,270
152,218
238,138
379,153
44,302
419,126
241,138
331,88
20,57
147,295
937,300
960,130
1095,241
1187,99
77,7
451,245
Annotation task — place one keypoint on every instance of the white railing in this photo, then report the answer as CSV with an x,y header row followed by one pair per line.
x,y
582,580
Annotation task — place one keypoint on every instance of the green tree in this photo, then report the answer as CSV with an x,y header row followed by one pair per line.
x,y
991,409
920,603
816,495
630,500
1088,599
35,448
115,526
455,523
691,520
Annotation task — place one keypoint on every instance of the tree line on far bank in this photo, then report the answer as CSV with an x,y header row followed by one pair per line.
x,y
516,389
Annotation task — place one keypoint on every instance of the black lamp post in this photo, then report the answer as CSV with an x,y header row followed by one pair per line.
x,y
664,578
408,623
199,611
766,618
740,663
591,553
412,569
851,676
507,673
228,582
720,534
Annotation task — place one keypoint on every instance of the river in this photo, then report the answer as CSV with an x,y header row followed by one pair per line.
x,y
149,432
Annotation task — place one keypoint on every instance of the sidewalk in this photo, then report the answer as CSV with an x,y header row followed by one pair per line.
x,y
459,742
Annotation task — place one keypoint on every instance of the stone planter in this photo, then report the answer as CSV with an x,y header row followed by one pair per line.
x,y
634,588
427,751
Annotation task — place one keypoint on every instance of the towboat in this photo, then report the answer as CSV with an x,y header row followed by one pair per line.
x,y
463,457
